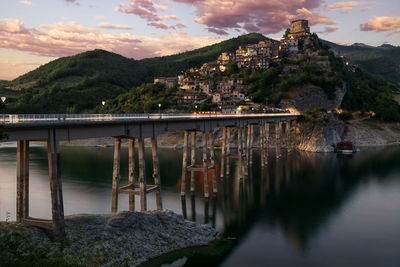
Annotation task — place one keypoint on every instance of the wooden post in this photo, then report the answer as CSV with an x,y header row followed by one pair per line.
x,y
184,210
131,172
115,181
53,152
20,180
184,162
142,176
156,172
212,156
193,161
223,148
205,165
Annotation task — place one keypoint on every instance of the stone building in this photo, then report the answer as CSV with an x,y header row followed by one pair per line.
x,y
299,30
168,81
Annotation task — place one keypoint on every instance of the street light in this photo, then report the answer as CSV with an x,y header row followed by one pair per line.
x,y
159,109
103,102
3,100
196,110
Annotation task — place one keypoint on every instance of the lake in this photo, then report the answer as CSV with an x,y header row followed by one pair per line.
x,y
305,209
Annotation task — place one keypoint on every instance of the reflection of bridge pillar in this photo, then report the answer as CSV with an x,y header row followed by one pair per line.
x,y
278,139
212,158
132,189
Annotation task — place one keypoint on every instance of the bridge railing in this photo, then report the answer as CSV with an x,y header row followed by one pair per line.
x,y
37,118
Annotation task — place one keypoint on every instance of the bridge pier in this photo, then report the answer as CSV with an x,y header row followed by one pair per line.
x,y
132,188
278,130
208,156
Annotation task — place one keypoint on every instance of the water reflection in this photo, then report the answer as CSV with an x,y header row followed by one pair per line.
x,y
295,203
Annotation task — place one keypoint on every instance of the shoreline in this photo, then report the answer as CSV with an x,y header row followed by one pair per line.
x,y
125,238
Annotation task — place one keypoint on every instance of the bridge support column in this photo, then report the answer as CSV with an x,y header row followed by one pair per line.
x,y
22,180
53,152
213,167
278,139
184,162
205,165
289,144
193,162
266,141
228,150
294,134
223,153
262,145
208,155
132,188
115,180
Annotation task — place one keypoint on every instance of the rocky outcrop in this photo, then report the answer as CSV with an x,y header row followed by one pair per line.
x,y
320,136
123,239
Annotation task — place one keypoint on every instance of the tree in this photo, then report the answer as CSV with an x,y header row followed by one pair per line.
x,y
286,34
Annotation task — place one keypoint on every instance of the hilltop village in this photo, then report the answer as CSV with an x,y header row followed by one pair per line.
x,y
218,80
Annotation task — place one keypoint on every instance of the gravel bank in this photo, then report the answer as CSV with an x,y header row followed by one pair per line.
x,y
124,239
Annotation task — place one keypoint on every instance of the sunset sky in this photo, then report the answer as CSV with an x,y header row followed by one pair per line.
x,y
34,32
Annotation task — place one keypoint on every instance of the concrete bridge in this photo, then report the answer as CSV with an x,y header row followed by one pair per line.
x,y
53,128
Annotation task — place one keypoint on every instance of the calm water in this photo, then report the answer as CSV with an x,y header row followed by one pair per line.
x,y
303,210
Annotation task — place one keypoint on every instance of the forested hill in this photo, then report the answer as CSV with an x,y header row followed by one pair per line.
x,y
80,82
383,60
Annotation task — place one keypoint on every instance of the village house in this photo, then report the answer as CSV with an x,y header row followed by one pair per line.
x,y
169,82
208,68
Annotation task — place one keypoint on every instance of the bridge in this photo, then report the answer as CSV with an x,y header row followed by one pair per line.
x,y
53,128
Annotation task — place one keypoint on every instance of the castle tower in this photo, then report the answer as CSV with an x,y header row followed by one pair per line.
x,y
299,29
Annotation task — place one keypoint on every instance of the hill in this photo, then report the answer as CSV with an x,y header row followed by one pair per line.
x,y
383,60
79,83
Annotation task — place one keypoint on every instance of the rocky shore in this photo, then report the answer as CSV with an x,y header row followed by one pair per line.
x,y
123,239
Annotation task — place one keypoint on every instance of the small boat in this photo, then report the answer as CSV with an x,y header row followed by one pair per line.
x,y
346,147
103,145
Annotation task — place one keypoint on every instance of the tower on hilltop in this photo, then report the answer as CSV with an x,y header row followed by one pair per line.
x,y
299,29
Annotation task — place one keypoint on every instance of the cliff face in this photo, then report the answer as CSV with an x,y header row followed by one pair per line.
x,y
320,136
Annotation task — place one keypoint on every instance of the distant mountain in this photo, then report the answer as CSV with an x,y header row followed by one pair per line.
x,y
383,60
79,83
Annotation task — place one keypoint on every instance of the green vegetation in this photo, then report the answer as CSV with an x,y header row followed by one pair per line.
x,y
79,83
383,60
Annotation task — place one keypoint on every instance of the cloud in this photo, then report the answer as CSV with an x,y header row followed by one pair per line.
x,y
65,39
381,24
25,2
106,25
364,9
147,10
101,18
255,15
180,25
12,26
331,28
160,25
343,6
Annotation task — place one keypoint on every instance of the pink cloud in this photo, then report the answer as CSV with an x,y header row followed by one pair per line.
x,y
106,25
331,28
264,16
25,2
381,24
364,9
343,6
65,39
160,25
147,10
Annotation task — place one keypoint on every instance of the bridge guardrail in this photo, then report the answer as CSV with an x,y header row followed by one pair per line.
x,y
35,118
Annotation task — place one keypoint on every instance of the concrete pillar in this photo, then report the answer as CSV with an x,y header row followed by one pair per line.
x,y
223,152
156,172
277,140
115,180
142,176
131,174
212,157
193,162
184,162
53,152
205,165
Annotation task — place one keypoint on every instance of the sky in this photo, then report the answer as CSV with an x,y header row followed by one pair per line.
x,y
34,32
